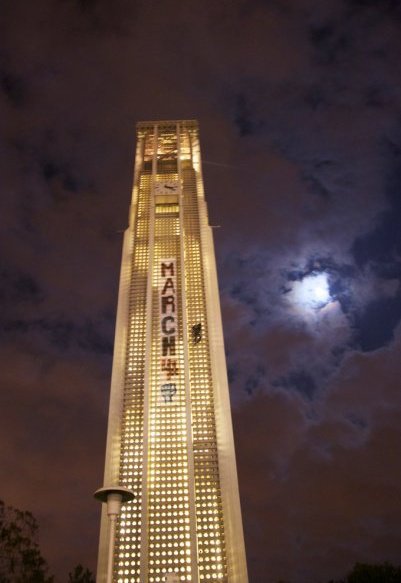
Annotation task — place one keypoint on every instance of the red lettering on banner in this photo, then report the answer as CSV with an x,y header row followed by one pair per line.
x,y
170,367
168,329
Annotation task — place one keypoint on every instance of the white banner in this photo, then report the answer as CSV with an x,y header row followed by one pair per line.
x,y
168,328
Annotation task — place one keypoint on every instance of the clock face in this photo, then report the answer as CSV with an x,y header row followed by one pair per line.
x,y
167,187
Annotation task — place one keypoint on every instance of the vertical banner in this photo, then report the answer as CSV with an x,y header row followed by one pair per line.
x,y
168,329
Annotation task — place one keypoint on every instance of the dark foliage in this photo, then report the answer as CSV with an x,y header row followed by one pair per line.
x,y
81,575
381,573
367,573
20,557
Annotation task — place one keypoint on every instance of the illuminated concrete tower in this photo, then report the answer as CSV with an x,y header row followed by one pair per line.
x,y
170,435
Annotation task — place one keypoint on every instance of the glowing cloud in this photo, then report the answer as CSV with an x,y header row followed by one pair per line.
x,y
312,292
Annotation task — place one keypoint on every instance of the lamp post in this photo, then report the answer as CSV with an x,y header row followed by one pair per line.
x,y
113,497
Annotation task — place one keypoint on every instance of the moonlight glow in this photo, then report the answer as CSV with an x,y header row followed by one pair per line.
x,y
312,292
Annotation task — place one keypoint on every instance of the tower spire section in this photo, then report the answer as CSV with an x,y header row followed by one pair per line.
x,y
170,440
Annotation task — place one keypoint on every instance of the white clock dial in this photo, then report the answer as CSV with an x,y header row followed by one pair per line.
x,y
167,187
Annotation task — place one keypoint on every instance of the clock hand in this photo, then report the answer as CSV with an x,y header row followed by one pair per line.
x,y
169,187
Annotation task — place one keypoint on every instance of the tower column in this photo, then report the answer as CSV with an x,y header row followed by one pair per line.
x,y
169,441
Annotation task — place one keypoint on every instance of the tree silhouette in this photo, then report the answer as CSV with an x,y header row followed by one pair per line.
x,y
369,573
20,556
81,575
380,573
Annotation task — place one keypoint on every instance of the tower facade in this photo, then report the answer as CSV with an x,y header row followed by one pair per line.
x,y
170,435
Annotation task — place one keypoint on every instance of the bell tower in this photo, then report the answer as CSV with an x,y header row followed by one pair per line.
x,y
170,439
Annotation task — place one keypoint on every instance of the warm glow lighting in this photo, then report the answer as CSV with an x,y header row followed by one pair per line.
x,y
170,397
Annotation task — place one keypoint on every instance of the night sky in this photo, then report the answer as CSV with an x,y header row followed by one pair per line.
x,y
300,116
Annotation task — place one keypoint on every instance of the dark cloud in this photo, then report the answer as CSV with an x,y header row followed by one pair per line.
x,y
379,250
255,380
18,287
65,335
376,325
386,7
324,481
315,97
330,42
98,17
244,117
14,88
315,186
381,246
60,179
86,5
299,380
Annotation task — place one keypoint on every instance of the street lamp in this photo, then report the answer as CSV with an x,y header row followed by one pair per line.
x,y
113,497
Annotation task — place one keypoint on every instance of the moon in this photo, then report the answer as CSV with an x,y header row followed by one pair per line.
x,y
312,292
